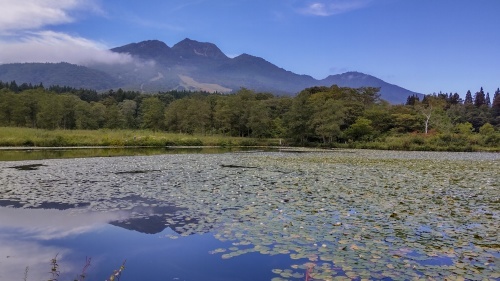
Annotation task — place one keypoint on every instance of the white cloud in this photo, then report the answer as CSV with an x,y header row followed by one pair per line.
x,y
34,14
333,7
49,46
25,34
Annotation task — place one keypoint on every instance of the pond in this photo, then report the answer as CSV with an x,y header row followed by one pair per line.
x,y
266,215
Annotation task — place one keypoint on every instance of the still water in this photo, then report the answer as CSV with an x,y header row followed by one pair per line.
x,y
251,215
32,237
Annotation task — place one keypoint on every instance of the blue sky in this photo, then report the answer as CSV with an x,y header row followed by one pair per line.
x,y
422,45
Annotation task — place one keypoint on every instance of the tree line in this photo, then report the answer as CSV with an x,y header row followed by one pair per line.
x,y
316,115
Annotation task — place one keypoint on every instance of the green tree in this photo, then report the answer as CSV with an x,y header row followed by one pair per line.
x,y
259,120
233,111
188,115
495,109
114,117
360,130
487,129
152,114
297,118
84,116
487,101
468,98
51,112
328,117
128,109
380,115
27,107
429,107
464,128
479,98
69,103
7,101
98,114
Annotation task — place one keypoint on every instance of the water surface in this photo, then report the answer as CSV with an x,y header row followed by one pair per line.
x,y
331,215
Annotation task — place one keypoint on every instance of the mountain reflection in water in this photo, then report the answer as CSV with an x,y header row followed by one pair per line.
x,y
31,237
149,218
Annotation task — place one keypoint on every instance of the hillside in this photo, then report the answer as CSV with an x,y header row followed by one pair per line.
x,y
63,74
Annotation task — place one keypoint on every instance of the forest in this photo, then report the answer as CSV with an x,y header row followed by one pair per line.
x,y
318,116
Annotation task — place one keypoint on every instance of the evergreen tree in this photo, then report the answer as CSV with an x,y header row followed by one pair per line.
x,y
412,99
454,99
487,101
13,87
496,99
479,98
495,106
468,98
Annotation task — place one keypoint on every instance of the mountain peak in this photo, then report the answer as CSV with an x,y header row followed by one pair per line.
x,y
356,79
188,48
152,44
146,49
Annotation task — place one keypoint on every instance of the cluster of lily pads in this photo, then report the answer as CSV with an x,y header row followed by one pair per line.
x,y
338,215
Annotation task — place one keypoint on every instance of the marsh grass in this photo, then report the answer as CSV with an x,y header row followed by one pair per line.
x,y
27,137
11,136
54,271
436,142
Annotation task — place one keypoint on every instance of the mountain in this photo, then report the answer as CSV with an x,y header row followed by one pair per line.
x,y
63,74
189,49
189,65
151,49
353,79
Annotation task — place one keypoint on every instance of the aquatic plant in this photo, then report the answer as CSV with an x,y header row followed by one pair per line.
x,y
117,273
355,214
55,272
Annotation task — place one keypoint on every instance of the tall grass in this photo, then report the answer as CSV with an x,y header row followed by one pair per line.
x,y
436,142
10,136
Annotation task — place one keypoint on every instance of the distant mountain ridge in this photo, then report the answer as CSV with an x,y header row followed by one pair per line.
x,y
190,65
63,74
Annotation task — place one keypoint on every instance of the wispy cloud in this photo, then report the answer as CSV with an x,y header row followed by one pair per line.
x,y
25,34
50,46
34,14
332,7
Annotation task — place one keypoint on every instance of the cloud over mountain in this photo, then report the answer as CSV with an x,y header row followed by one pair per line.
x,y
34,14
25,34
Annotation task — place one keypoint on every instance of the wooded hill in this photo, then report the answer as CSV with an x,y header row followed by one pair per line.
x,y
321,115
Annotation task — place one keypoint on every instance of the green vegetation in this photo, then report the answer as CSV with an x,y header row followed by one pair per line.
x,y
318,116
11,136
339,214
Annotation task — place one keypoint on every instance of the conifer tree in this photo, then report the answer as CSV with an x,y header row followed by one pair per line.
x,y
479,98
495,107
468,98
412,99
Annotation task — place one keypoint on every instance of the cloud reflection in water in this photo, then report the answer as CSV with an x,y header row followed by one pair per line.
x,y
23,233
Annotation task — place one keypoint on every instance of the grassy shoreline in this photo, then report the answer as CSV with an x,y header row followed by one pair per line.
x,y
26,137
14,137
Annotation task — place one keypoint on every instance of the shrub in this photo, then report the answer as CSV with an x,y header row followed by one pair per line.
x,y
190,142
